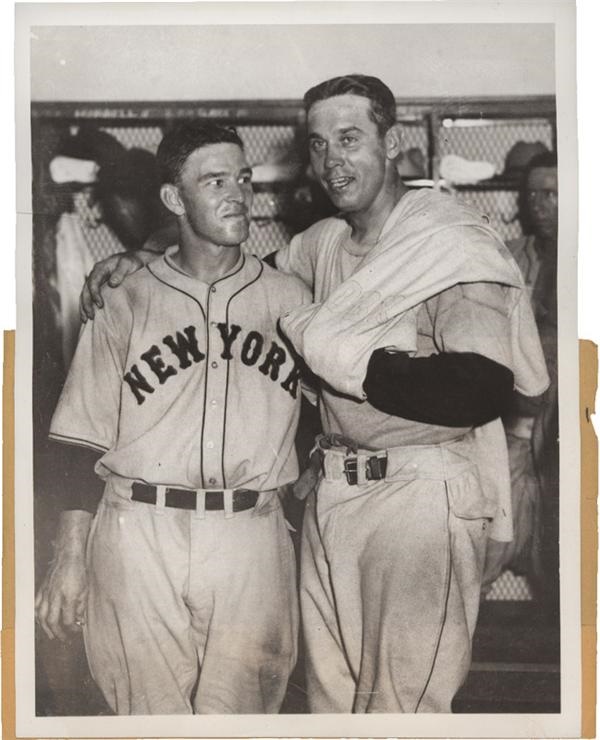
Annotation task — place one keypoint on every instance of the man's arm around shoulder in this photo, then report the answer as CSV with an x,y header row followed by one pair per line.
x,y
114,269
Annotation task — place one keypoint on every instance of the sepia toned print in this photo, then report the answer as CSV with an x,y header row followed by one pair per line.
x,y
343,328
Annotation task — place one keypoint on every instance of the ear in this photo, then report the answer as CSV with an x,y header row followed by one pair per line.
x,y
393,141
169,194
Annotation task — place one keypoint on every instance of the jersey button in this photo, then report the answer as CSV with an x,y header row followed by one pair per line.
x,y
213,289
210,445
214,364
213,402
213,323
212,481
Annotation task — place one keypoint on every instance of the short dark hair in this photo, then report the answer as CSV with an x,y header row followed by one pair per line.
x,y
184,139
383,103
544,159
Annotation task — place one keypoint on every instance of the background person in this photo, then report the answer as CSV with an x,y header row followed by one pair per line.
x,y
107,198
532,424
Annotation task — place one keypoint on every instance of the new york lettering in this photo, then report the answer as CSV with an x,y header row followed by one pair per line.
x,y
180,351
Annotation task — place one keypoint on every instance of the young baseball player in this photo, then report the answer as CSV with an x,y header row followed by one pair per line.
x,y
185,398
420,331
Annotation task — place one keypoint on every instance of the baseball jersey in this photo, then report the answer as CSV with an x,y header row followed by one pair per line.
x,y
465,318
186,384
428,244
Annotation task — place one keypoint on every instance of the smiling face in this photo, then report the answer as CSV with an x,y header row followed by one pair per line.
x,y
213,195
349,156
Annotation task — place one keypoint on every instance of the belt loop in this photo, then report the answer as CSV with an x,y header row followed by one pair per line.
x,y
332,465
317,445
159,509
361,469
228,502
200,504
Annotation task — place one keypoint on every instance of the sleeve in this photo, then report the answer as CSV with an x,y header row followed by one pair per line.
x,y
469,382
299,295
453,389
473,318
80,488
297,258
310,382
88,409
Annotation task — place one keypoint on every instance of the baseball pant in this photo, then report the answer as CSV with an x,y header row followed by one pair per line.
x,y
390,582
190,611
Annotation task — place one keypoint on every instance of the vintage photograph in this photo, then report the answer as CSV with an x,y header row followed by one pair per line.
x,y
293,303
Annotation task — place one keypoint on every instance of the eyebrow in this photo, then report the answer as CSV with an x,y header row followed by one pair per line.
x,y
212,175
346,130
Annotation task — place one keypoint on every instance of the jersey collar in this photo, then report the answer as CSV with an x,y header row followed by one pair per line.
x,y
245,271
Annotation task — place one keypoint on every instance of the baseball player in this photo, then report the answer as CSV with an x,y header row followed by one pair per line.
x,y
185,399
413,465
416,332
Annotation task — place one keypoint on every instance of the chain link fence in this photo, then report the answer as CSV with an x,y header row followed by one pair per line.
x,y
426,131
273,142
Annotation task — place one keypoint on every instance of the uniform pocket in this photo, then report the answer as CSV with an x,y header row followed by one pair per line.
x,y
466,496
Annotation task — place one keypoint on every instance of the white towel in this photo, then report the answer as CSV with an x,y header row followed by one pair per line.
x,y
428,244
70,169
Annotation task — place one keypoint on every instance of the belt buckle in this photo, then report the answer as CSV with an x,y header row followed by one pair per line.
x,y
351,470
375,468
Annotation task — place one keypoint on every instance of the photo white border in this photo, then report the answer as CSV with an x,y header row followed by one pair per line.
x,y
536,725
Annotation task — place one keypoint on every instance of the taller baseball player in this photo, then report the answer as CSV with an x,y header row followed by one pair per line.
x,y
420,331
420,328
185,398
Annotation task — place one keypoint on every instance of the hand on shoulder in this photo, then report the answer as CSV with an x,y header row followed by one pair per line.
x,y
112,270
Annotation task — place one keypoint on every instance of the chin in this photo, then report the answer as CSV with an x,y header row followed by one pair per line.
x,y
234,237
343,202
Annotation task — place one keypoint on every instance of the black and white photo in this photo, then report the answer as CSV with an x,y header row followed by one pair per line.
x,y
296,347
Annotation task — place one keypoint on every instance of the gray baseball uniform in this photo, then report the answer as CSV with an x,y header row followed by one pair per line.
x,y
394,540
193,398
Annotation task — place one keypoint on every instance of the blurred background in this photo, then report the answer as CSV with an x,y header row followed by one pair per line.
x,y
476,103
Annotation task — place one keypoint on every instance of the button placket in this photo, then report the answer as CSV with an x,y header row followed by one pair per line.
x,y
216,380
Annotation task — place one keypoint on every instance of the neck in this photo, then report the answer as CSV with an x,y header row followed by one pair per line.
x,y
203,260
367,225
